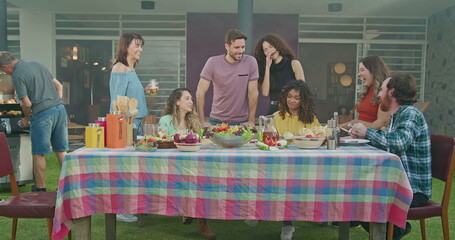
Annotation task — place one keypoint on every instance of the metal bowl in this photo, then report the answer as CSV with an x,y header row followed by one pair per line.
x,y
230,140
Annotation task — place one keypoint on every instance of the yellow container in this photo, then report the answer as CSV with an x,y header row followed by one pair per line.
x,y
94,136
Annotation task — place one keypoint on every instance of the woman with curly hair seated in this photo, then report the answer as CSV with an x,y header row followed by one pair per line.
x,y
296,109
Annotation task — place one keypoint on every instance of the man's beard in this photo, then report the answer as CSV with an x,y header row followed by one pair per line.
x,y
235,58
384,105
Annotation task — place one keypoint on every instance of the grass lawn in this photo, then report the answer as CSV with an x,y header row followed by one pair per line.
x,y
170,228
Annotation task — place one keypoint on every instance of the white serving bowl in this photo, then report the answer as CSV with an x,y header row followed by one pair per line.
x,y
188,147
303,142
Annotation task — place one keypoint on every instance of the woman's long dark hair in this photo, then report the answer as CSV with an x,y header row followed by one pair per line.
x,y
279,44
123,43
306,112
380,72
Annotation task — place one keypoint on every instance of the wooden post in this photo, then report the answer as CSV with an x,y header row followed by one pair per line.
x,y
140,220
83,228
379,231
110,225
343,230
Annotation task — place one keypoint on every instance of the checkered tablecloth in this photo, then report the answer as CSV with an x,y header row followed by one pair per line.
x,y
350,183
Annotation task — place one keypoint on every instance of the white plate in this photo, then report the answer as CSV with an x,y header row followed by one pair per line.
x,y
353,141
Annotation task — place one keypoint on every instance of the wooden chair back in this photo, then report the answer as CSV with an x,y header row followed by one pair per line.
x,y
443,163
422,106
6,163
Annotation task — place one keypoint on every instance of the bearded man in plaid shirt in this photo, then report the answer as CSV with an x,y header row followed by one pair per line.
x,y
406,135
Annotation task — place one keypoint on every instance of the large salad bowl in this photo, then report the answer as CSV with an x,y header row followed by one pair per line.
x,y
230,140
227,136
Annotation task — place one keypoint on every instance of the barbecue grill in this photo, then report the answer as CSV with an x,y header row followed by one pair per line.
x,y
18,140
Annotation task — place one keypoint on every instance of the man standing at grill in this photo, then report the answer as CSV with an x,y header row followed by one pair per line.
x,y
41,101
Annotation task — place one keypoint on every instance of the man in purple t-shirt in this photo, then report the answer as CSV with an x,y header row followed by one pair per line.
x,y
235,84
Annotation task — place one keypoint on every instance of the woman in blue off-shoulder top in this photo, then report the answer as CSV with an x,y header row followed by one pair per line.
x,y
124,80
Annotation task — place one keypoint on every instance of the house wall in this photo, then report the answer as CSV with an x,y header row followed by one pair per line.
x,y
37,37
37,44
440,72
205,38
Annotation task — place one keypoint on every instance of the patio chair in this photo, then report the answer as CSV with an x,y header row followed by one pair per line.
x,y
443,166
24,205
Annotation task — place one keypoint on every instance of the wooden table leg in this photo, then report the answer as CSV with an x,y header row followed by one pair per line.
x,y
83,228
140,220
378,231
343,230
110,224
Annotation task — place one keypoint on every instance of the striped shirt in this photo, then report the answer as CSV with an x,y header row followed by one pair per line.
x,y
409,138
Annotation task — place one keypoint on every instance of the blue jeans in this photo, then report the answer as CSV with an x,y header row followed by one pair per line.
x,y
418,200
138,123
273,108
286,223
215,121
49,127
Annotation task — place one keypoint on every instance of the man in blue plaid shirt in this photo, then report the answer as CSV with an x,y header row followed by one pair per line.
x,y
406,135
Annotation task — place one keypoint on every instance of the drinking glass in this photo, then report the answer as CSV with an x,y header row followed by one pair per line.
x,y
153,86
149,129
160,132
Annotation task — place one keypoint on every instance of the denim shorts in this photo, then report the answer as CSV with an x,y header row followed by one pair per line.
x,y
49,127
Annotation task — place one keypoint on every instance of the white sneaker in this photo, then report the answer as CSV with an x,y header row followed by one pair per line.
x,y
251,223
287,232
126,218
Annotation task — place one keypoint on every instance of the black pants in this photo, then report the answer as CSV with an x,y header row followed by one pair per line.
x,y
418,200
273,108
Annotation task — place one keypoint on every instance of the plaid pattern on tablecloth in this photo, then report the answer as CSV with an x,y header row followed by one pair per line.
x,y
320,185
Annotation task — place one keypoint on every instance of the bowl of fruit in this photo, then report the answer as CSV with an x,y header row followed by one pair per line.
x,y
308,141
147,144
187,142
229,137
